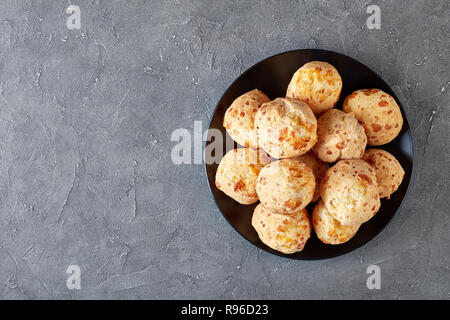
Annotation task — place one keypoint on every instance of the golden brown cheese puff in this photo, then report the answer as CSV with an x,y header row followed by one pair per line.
x,y
319,169
239,119
285,186
328,229
286,128
237,173
388,170
349,191
317,83
340,137
378,113
285,233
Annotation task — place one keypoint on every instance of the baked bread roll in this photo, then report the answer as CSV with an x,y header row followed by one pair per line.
x,y
239,119
285,186
349,191
317,83
237,173
388,170
286,128
378,113
328,229
340,137
285,233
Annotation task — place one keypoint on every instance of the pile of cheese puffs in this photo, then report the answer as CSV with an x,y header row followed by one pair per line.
x,y
300,149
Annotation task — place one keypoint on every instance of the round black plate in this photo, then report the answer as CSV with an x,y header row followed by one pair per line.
x,y
272,76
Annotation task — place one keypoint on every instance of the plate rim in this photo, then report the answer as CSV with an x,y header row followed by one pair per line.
x,y
270,250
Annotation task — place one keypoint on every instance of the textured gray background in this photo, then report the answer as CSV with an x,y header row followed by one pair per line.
x,y
85,171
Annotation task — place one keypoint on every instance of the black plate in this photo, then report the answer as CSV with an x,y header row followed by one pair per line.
x,y
272,76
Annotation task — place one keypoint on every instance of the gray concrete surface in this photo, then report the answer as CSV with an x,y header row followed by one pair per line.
x,y
85,171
